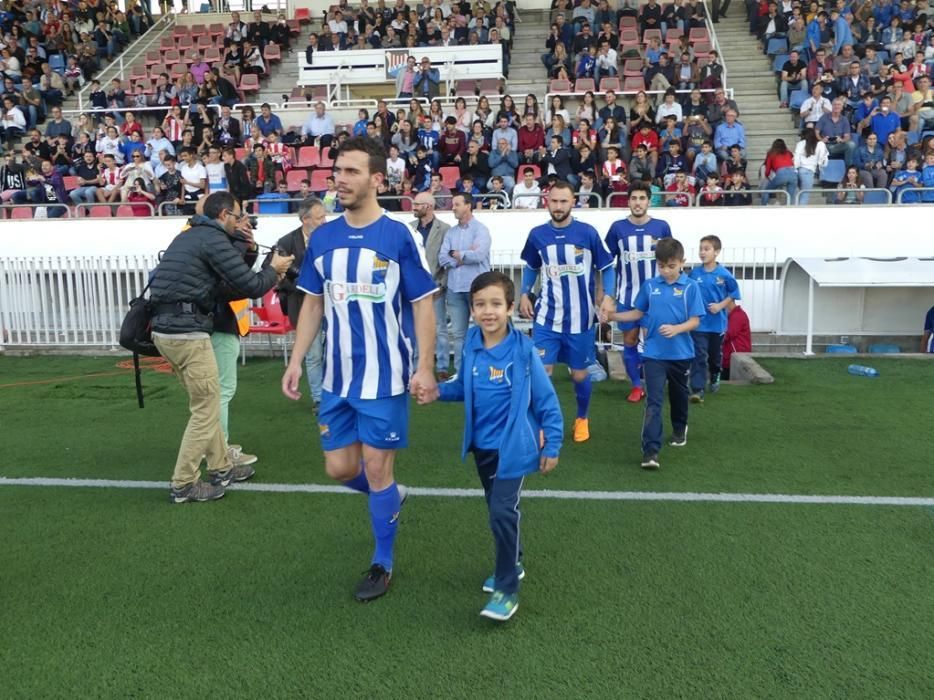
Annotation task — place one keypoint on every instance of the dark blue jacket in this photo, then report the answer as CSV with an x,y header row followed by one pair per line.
x,y
534,407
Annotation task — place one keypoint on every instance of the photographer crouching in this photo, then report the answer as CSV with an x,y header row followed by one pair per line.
x,y
201,269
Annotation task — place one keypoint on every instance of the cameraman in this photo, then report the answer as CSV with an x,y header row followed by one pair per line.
x,y
200,269
311,213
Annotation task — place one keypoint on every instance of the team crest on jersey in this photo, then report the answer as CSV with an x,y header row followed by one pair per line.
x,y
631,256
324,429
344,292
579,254
541,352
720,281
498,376
678,292
380,268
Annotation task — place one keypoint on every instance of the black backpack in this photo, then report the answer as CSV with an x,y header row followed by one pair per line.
x,y
136,335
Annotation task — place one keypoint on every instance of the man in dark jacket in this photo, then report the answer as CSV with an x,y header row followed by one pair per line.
x,y
238,178
312,214
559,159
200,269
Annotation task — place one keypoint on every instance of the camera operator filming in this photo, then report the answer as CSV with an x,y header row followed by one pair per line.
x,y
200,269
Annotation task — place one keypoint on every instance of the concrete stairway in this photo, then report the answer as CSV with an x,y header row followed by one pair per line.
x,y
749,74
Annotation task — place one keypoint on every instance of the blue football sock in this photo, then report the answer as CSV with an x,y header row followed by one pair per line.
x,y
384,516
582,391
631,360
359,482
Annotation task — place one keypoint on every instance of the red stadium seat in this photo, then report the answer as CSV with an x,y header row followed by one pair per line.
x,y
632,67
302,14
295,27
181,30
650,33
272,53
249,82
584,85
319,180
20,212
178,70
627,22
326,162
270,321
125,211
488,86
198,30
212,56
215,30
309,157
559,86
293,179
521,168
450,174
240,153
673,35
698,35
99,211
172,56
185,43
70,182
609,84
166,43
633,84
153,57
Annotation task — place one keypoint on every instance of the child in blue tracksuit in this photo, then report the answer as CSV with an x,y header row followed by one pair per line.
x,y
718,287
513,424
670,307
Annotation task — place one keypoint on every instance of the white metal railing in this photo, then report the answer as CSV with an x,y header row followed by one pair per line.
x,y
80,301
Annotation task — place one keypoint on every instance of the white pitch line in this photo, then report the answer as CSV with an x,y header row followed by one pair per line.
x,y
688,497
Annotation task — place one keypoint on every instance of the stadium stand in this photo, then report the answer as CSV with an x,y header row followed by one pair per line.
x,y
612,94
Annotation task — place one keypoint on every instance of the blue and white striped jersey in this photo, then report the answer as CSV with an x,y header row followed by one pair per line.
x,y
567,258
369,276
633,246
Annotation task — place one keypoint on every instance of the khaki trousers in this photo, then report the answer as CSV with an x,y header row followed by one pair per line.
x,y
194,365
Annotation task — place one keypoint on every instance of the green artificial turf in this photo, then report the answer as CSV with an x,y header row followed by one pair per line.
x,y
116,593
817,430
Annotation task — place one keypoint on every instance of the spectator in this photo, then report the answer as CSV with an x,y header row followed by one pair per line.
x,y
849,191
439,190
815,107
453,143
834,131
818,66
432,232
870,159
794,77
716,112
854,85
736,191
650,17
503,163
465,254
262,170
680,192
227,129
497,198
475,164
669,107
268,122
257,31
780,172
705,162
12,122
405,75
318,129
810,156
530,138
557,161
427,82
237,175
253,59
711,194
136,168
606,62
217,177
922,110
730,133
526,194
194,179
504,131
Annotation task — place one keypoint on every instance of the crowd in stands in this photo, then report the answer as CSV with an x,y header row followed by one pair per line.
x,y
858,77
680,132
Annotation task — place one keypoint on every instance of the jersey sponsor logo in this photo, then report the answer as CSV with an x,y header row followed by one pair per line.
x,y
556,272
344,292
631,256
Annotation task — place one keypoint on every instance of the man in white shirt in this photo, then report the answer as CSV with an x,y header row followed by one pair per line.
x,y
338,28
527,194
194,179
395,169
815,107
217,176
12,121
318,129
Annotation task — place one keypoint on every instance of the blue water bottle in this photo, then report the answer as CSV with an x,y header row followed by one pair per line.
x,y
863,371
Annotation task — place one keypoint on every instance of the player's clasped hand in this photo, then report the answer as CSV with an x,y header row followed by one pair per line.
x,y
607,308
667,330
424,388
547,464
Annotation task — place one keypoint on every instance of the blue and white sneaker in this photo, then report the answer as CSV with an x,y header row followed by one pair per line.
x,y
501,607
488,585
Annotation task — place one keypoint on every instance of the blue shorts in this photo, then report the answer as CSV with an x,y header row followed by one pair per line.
x,y
576,350
626,325
380,423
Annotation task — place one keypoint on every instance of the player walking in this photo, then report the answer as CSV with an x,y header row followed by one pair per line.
x,y
569,252
367,276
632,243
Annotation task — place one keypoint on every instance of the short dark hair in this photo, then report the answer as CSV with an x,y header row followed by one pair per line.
x,y
376,154
526,170
713,240
494,279
565,185
668,249
218,202
639,186
468,198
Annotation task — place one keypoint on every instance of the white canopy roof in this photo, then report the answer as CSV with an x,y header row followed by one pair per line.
x,y
869,272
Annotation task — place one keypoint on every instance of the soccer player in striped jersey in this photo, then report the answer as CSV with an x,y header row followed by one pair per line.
x,y
366,276
632,242
568,252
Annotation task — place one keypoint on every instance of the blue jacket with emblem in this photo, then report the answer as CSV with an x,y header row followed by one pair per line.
x,y
534,407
